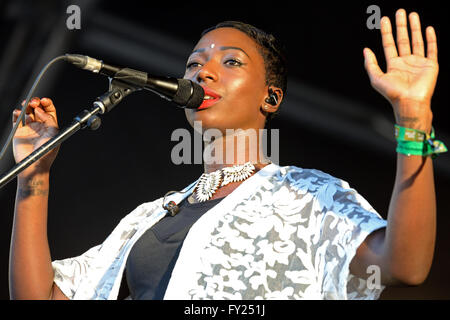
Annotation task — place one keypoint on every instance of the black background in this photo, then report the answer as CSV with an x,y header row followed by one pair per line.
x,y
100,176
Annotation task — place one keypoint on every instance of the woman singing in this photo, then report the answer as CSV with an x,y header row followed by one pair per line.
x,y
249,228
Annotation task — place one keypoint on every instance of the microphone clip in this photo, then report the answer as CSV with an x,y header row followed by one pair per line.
x,y
117,91
171,206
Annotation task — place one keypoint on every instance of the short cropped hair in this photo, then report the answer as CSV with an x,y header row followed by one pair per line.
x,y
272,51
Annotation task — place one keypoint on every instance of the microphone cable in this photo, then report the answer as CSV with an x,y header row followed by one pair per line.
x,y
27,100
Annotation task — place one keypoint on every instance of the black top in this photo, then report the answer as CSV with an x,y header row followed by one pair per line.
x,y
152,258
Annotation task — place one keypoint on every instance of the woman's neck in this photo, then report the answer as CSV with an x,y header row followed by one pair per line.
x,y
235,148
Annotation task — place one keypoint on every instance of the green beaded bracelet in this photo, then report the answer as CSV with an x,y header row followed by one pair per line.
x,y
412,142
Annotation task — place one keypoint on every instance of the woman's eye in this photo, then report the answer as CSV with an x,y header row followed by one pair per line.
x,y
192,65
233,62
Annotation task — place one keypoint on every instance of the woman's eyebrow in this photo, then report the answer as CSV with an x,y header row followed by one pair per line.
x,y
222,48
235,48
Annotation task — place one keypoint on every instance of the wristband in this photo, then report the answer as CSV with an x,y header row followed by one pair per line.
x,y
412,142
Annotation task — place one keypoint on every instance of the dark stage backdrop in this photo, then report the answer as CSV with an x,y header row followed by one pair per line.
x,y
332,119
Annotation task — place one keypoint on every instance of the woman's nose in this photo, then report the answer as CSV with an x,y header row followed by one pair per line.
x,y
207,74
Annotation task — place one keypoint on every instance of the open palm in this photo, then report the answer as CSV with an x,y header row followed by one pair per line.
x,y
410,76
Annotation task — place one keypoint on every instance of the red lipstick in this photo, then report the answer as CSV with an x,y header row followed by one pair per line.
x,y
211,97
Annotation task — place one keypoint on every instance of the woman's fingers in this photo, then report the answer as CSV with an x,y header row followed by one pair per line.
x,y
28,117
416,34
404,48
15,115
44,117
370,63
48,106
390,51
41,110
31,105
432,50
403,44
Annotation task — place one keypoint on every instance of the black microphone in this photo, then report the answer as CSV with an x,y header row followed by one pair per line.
x,y
183,92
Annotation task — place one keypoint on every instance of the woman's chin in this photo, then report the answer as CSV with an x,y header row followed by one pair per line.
x,y
206,118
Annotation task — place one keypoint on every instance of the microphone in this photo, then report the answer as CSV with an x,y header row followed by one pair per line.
x,y
183,92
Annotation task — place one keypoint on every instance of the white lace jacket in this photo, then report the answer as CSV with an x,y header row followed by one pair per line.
x,y
284,233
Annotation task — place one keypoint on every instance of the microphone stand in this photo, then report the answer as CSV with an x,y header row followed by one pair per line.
x,y
87,118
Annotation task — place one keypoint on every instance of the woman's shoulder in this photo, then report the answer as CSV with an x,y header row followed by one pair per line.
x,y
295,173
297,179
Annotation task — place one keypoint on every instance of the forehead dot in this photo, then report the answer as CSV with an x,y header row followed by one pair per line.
x,y
212,46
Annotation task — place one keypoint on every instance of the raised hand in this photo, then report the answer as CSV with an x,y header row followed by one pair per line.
x,y
411,76
40,126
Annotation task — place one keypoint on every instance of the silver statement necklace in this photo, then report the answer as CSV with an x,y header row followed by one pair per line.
x,y
208,183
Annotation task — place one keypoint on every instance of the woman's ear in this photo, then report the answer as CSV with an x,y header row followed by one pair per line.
x,y
273,99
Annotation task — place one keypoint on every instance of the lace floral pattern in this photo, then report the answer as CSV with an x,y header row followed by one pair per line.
x,y
293,238
285,233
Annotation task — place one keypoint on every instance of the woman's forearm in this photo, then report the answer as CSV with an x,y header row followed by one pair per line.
x,y
30,269
411,230
407,247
